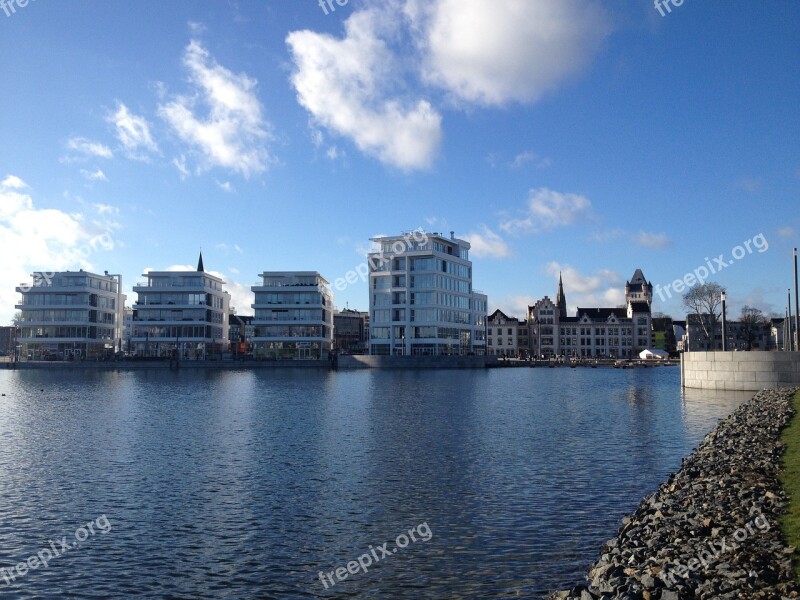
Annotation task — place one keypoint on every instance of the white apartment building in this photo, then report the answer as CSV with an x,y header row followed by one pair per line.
x,y
181,314
70,315
293,316
421,298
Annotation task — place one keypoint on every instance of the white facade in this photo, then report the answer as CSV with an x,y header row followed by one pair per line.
x,y
293,316
70,315
503,336
421,298
182,314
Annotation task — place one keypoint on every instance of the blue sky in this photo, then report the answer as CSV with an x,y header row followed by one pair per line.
x,y
557,135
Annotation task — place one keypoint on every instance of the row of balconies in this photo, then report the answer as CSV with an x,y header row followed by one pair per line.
x,y
143,286
145,305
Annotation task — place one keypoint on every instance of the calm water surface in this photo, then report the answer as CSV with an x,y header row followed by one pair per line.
x,y
248,484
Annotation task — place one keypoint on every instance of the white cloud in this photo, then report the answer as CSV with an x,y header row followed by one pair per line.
x,y
652,240
346,86
133,132
233,134
180,164
12,182
492,52
241,295
530,158
513,306
548,209
52,240
604,288
225,186
786,232
225,248
197,28
487,244
87,148
106,209
96,175
317,137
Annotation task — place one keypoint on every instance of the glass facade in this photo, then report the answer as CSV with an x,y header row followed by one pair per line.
x,y
425,304
69,316
181,314
293,316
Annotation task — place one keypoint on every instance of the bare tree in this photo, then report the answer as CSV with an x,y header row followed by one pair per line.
x,y
705,301
753,322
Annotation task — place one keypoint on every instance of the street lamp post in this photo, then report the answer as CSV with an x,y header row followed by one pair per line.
x,y
724,345
789,309
796,306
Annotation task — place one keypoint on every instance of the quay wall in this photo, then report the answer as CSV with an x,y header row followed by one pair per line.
x,y
743,371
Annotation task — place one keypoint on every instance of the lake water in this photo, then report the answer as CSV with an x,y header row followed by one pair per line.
x,y
247,484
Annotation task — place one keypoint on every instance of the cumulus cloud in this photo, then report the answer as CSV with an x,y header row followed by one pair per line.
x,y
241,295
492,52
529,157
487,244
179,163
548,209
347,86
86,148
53,240
105,209
96,175
513,306
12,182
601,288
133,132
233,133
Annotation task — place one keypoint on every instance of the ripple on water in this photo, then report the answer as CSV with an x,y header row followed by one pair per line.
x,y
247,484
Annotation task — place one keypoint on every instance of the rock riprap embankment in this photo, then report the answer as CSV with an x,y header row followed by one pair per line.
x,y
710,531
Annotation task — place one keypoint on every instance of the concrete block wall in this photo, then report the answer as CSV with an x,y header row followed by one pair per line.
x,y
744,371
414,362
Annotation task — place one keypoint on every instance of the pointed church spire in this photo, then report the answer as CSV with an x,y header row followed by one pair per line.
x,y
561,299
200,262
